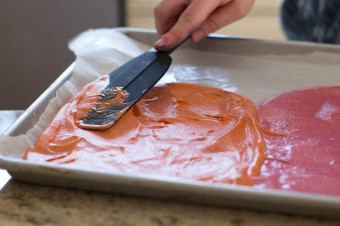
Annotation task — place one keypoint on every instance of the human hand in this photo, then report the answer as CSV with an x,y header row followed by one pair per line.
x,y
178,19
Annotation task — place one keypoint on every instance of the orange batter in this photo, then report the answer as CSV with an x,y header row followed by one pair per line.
x,y
177,130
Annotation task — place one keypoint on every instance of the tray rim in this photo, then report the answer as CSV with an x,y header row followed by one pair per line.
x,y
325,46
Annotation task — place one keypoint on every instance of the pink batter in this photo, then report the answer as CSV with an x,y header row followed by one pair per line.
x,y
307,158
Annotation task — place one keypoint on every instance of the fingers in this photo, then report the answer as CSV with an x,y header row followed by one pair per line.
x,y
223,16
187,22
167,13
178,19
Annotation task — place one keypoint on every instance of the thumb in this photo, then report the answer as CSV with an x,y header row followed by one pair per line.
x,y
191,18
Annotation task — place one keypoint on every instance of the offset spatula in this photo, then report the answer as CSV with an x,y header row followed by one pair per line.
x,y
135,78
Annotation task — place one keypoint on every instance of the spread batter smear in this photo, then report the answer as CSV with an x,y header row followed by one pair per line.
x,y
307,158
176,130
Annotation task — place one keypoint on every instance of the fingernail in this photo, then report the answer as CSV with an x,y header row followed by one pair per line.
x,y
160,44
198,35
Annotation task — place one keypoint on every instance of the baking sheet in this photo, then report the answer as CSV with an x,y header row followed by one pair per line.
x,y
254,68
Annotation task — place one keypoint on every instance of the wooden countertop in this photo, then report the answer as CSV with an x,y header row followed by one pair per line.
x,y
29,204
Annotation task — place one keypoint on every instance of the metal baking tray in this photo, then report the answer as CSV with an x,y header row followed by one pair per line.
x,y
252,67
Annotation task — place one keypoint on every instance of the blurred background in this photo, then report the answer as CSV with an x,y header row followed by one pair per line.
x,y
35,34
